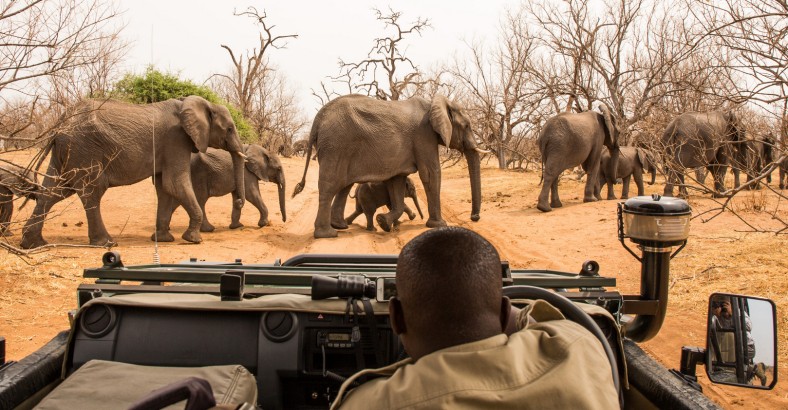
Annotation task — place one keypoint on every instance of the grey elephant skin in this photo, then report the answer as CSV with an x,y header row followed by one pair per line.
x,y
212,176
361,139
111,143
783,173
371,196
571,139
633,162
702,139
758,156
15,181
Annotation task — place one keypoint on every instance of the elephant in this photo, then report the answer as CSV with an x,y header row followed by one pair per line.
x,y
111,143
212,176
757,157
571,139
362,139
784,172
702,139
632,163
371,196
14,181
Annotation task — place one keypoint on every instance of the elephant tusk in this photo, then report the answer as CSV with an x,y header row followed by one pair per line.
x,y
242,155
481,151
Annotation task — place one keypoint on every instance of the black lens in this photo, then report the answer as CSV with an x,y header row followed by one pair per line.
x,y
344,286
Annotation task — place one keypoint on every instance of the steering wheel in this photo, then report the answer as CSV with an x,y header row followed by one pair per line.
x,y
573,313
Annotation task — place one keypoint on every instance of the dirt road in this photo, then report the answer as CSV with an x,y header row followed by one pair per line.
x,y
35,294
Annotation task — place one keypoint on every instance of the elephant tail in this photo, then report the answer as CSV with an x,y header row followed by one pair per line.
x,y
310,143
355,192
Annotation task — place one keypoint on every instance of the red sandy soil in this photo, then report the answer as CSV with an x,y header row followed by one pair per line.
x,y
723,253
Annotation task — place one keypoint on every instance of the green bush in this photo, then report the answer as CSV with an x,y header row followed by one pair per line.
x,y
155,86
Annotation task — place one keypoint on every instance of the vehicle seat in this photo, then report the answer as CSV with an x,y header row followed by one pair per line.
x,y
101,384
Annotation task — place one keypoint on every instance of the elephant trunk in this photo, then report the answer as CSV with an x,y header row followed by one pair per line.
x,y
238,174
474,171
281,185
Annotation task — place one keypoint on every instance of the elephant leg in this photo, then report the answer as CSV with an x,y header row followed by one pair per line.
x,y
370,220
338,208
6,211
396,190
323,227
430,175
166,205
671,178
625,186
592,169
549,190
638,176
611,194
54,191
349,220
256,199
91,200
411,214
718,172
206,226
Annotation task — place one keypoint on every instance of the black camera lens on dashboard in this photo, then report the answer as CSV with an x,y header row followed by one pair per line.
x,y
343,286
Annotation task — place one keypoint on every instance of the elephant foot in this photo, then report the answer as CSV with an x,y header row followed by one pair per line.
x,y
105,241
475,217
556,204
372,228
30,243
411,216
623,197
207,228
717,195
236,225
192,236
543,207
163,237
590,199
611,197
341,224
436,223
263,222
383,222
326,233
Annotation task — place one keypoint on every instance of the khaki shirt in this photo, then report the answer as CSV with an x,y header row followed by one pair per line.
x,y
553,364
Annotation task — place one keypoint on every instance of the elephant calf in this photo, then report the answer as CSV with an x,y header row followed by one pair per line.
x,y
632,162
371,196
212,176
14,181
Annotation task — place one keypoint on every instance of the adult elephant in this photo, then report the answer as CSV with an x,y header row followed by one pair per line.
x,y
702,139
212,176
111,143
758,156
361,139
571,139
633,162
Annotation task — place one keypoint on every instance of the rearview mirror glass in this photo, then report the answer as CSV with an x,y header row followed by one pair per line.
x,y
741,342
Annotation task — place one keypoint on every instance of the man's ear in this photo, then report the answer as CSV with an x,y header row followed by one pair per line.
x,y
396,316
508,324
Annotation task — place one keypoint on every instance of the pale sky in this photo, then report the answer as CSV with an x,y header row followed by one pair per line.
x,y
187,34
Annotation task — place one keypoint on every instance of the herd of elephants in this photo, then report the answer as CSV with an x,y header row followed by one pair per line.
x,y
192,150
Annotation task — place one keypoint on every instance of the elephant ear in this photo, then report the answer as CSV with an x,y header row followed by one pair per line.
x,y
257,162
611,139
642,157
439,118
195,118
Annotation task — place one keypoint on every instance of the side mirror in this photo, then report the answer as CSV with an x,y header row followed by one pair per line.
x,y
741,341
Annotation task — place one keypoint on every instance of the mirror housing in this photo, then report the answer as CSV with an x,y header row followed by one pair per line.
x,y
741,341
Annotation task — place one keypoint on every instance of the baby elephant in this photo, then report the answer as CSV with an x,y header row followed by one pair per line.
x,y
372,195
212,175
633,162
14,181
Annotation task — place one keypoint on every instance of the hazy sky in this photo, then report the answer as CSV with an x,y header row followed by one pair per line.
x,y
187,34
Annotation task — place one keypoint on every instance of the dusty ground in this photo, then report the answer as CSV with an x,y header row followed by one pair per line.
x,y
36,293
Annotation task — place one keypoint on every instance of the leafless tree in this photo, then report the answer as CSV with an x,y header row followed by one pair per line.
x,y
259,90
386,59
52,53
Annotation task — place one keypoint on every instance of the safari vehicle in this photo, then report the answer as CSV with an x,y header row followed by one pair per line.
x,y
286,334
